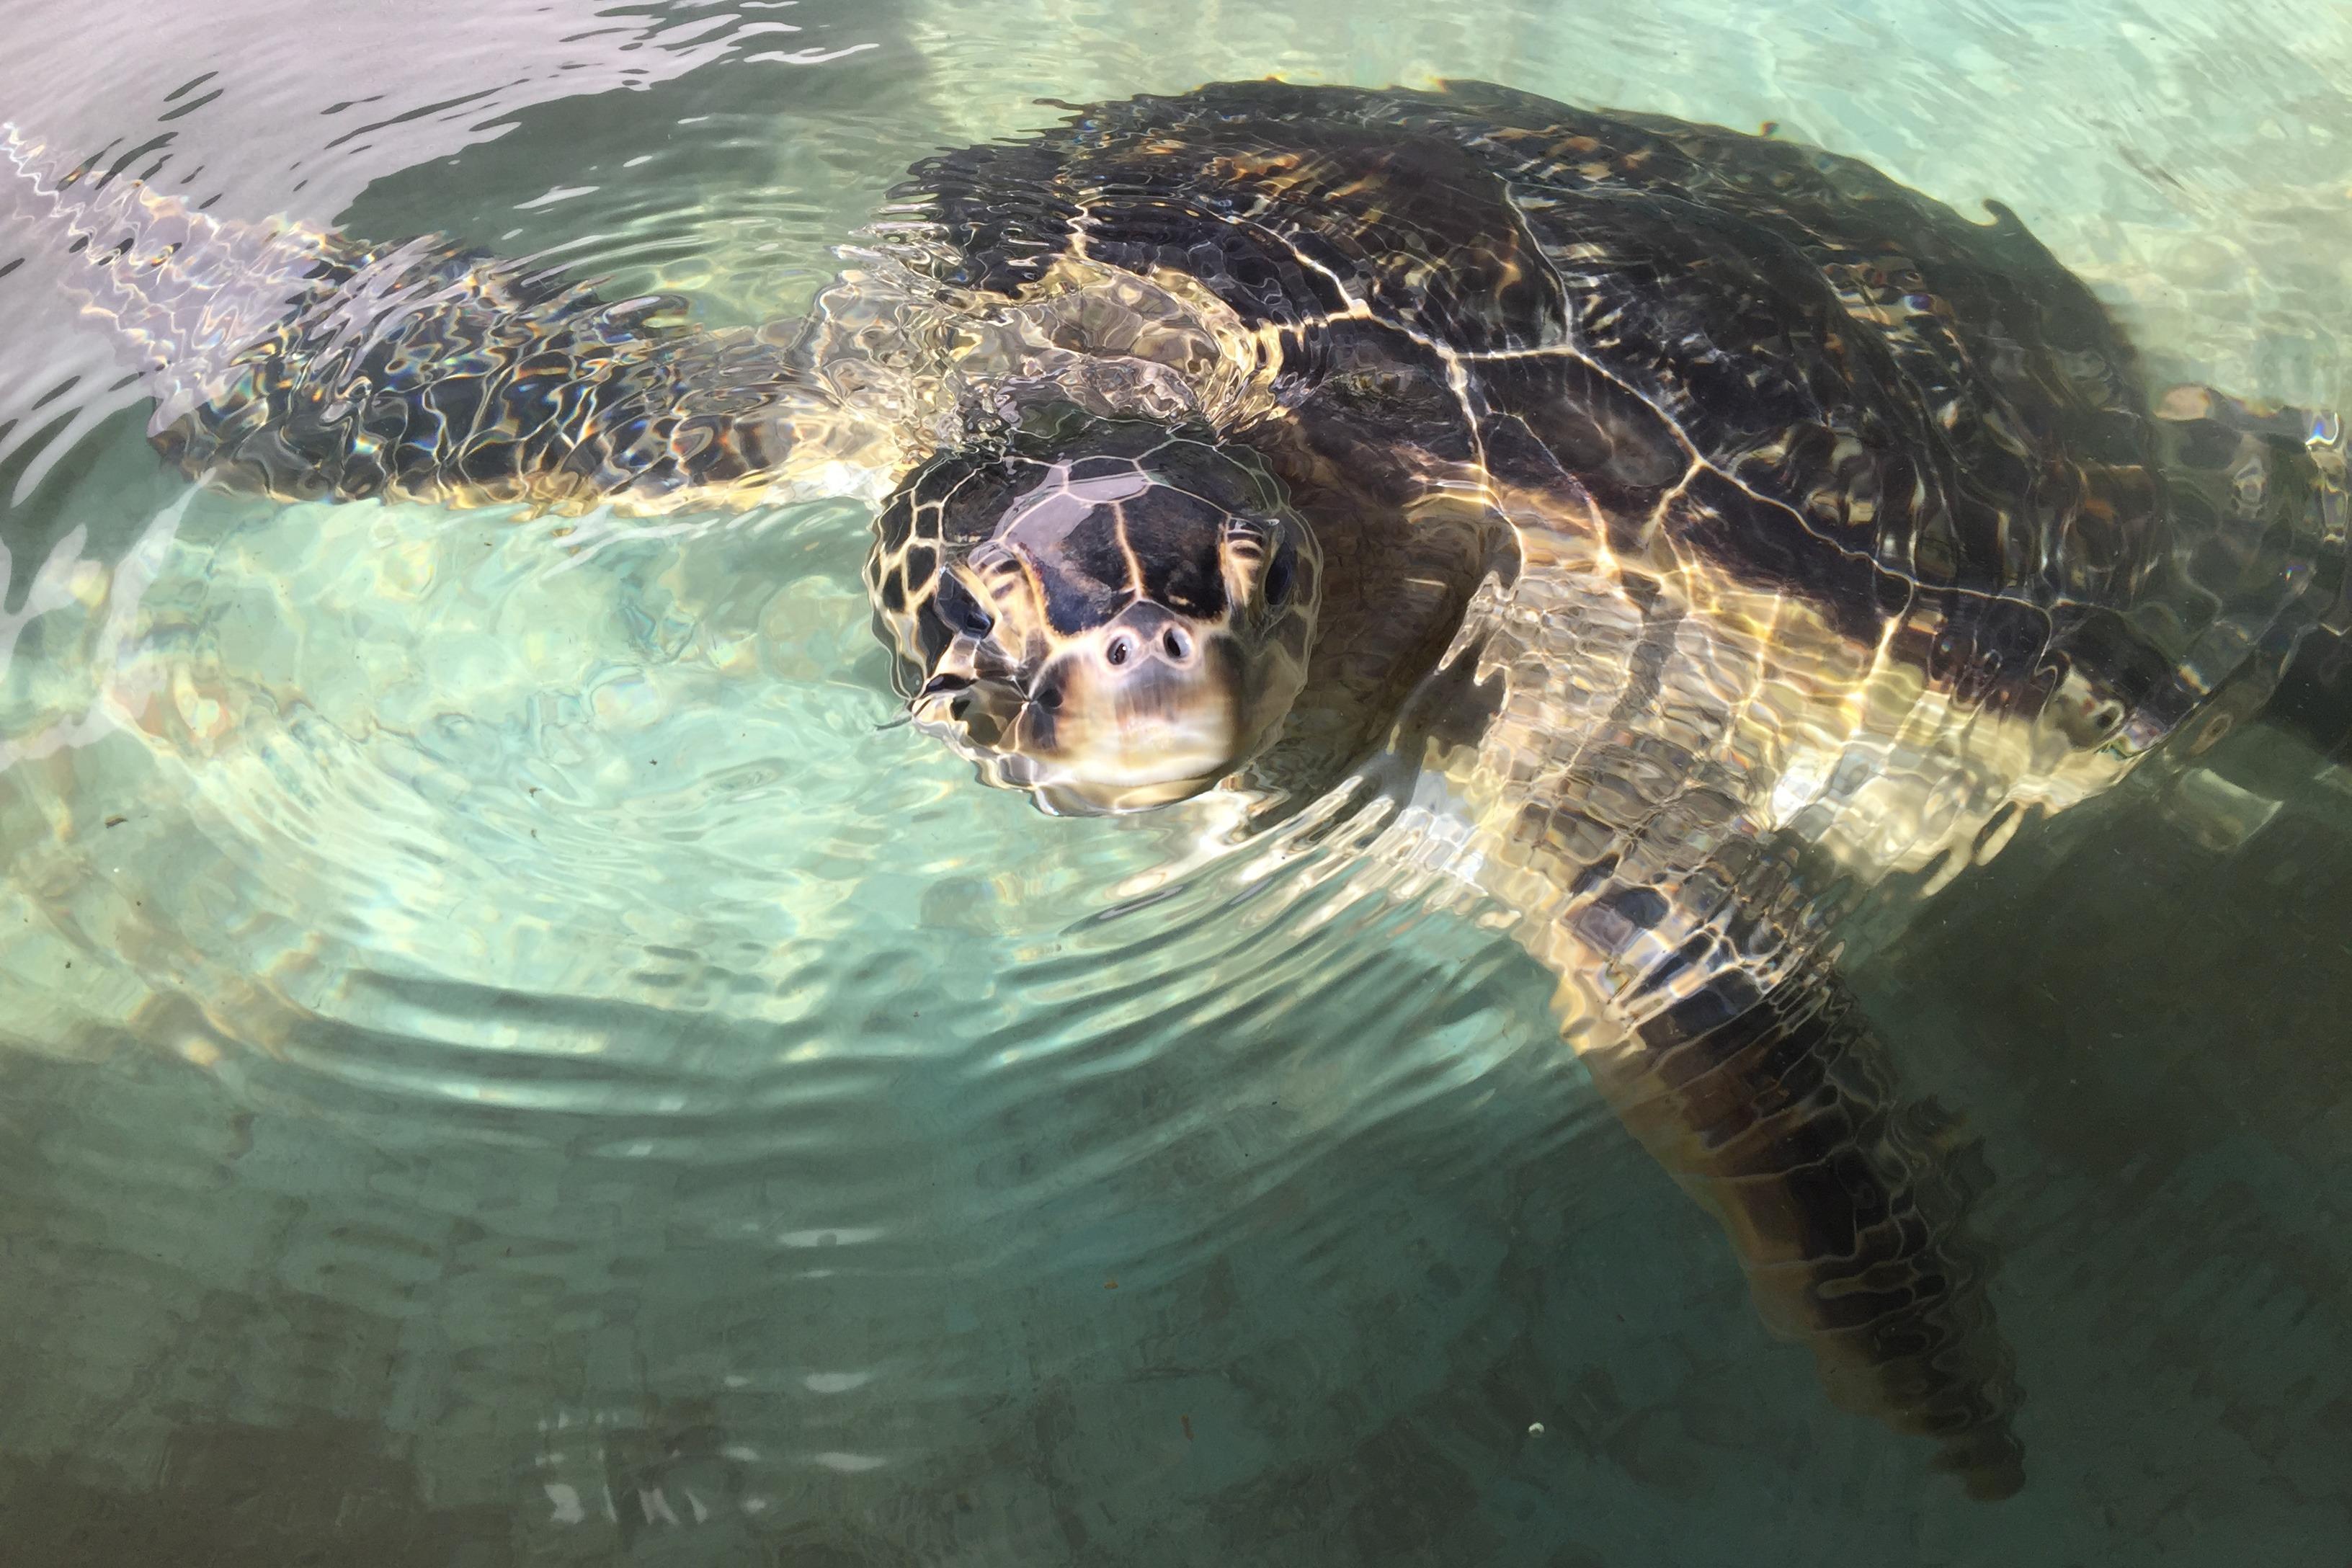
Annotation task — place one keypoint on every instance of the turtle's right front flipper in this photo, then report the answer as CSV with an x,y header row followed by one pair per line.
x,y
440,374
312,367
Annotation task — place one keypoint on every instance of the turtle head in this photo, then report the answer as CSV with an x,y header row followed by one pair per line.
x,y
1110,614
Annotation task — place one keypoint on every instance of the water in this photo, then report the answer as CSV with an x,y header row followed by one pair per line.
x,y
505,1060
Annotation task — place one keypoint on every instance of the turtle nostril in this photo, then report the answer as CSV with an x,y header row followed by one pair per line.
x,y
1117,650
1179,645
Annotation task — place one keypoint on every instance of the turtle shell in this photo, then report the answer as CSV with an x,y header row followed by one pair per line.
x,y
1723,350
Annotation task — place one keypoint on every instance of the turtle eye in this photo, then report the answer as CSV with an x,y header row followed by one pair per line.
x,y
959,610
1279,575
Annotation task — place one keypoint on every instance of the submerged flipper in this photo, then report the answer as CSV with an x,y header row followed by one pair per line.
x,y
1624,799
1781,1113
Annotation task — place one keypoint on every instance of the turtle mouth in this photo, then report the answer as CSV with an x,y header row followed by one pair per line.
x,y
1108,729
1162,742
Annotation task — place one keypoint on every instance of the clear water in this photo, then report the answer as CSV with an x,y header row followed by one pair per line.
x,y
502,1060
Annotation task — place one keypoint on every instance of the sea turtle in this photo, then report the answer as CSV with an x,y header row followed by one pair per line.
x,y
1690,529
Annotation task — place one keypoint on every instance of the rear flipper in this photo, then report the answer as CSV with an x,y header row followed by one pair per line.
x,y
1781,1116
2258,512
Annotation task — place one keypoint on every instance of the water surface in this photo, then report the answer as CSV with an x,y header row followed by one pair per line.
x,y
504,1060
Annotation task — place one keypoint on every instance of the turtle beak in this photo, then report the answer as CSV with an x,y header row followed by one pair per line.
x,y
1148,708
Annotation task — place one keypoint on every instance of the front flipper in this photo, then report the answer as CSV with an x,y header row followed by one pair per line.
x,y
1781,1113
310,366
436,374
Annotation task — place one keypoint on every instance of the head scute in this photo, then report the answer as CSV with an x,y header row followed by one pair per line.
x,y
1109,613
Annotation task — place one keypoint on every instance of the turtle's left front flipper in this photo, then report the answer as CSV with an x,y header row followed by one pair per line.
x,y
1778,1110
310,366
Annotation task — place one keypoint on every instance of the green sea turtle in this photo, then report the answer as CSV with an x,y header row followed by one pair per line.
x,y
1691,529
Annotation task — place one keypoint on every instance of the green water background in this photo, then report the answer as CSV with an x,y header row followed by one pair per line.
x,y
502,1060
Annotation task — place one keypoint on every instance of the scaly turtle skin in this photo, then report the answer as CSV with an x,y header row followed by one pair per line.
x,y
1677,531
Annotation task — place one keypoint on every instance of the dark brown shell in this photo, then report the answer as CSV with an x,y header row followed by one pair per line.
x,y
1762,355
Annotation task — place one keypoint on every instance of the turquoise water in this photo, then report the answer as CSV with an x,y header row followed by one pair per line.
x,y
503,1059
